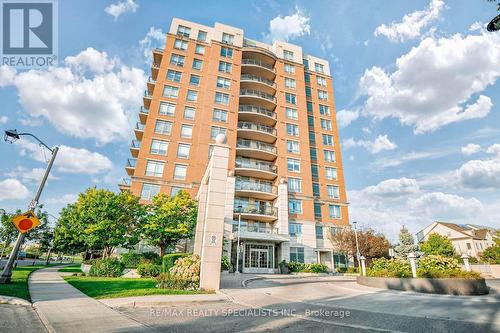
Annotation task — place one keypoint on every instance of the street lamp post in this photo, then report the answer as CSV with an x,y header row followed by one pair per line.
x,y
238,243
11,136
356,237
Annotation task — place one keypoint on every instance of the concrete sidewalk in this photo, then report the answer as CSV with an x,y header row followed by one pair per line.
x,y
64,308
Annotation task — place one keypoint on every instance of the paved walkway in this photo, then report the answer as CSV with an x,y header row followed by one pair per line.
x,y
64,308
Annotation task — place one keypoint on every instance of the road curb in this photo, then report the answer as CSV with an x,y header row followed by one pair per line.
x,y
160,300
245,282
14,300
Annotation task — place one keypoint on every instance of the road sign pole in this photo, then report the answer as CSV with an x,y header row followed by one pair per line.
x,y
7,271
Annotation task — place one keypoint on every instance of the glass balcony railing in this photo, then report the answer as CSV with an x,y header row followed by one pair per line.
x,y
249,185
255,228
135,144
139,126
155,65
255,164
125,182
131,162
255,78
151,80
147,94
257,63
252,45
257,109
256,127
144,110
251,144
257,208
257,93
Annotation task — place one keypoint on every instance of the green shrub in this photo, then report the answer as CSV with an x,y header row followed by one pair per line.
x,y
170,259
169,281
341,269
295,266
307,268
225,264
111,267
352,270
184,275
447,273
148,270
383,267
151,257
437,263
491,255
131,259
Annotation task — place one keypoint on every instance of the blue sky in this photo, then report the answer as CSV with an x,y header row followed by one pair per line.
x,y
416,89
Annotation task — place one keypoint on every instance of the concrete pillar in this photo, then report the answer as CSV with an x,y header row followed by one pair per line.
x,y
333,262
202,207
465,258
363,266
229,214
282,223
413,264
318,257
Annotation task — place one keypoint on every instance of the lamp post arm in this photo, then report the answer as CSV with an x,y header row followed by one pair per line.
x,y
37,139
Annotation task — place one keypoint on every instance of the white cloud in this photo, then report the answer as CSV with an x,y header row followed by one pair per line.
x,y
381,143
121,7
12,189
482,174
93,96
494,149
435,84
288,27
4,119
28,175
155,38
64,199
470,149
345,117
446,206
412,24
393,188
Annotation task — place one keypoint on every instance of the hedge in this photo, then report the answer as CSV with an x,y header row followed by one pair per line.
x,y
170,259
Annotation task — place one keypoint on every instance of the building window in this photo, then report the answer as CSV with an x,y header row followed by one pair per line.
x,y
174,76
313,153
327,139
154,168
290,83
292,113
183,150
189,113
333,191
180,44
293,165
180,171
319,232
324,110
334,230
289,69
288,55
292,129
314,170
329,155
331,173
309,106
219,115
214,131
307,77
321,81
202,36
177,60
192,96
186,131
316,189
149,191
163,127
200,49
197,64
171,92
326,124
167,109
292,147
306,63
183,31
308,92
310,121
194,80
312,138
317,210
174,190
159,147
223,83
334,211
297,254
295,229
294,185
469,247
322,95
221,98
319,67
226,52
225,67
290,98
227,38
294,206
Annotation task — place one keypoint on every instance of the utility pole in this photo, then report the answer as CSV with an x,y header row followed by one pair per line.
x,y
356,237
238,243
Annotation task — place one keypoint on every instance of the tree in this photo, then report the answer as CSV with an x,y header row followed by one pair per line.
x,y
68,233
438,245
491,254
169,219
406,244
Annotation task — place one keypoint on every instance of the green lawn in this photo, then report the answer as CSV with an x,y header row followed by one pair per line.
x,y
104,287
73,268
19,283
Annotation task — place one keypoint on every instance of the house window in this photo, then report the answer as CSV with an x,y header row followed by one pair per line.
x,y
180,171
329,155
183,31
189,113
292,129
334,211
159,147
318,67
197,64
163,127
468,246
331,173
288,55
321,81
314,170
290,69
316,189
327,139
219,115
292,113
192,96
324,110
180,44
186,131
292,147
174,190
174,76
322,95
295,229
312,138
154,168
293,165
223,83
319,232
167,109
317,210
183,150
202,36
334,230
290,83
171,92
314,154
149,191
297,254
226,52
177,60
290,98
294,206
227,38
294,185
194,80
225,67
221,98
333,191
200,49
214,131
326,124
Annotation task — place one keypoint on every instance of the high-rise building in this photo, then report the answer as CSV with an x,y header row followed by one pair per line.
x,y
275,105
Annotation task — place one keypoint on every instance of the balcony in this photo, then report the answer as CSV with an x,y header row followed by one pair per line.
x,y
257,114
257,98
139,130
249,48
134,147
155,69
254,168
125,184
143,114
130,166
255,189
256,149
258,67
258,82
151,85
260,234
148,96
157,55
247,130
262,211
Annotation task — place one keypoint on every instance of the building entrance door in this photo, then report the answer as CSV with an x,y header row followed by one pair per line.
x,y
258,259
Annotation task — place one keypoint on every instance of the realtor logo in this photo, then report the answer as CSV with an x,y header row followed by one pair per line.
x,y
29,33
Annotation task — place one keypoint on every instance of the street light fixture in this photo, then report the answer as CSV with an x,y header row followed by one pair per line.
x,y
238,243
11,136
356,237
